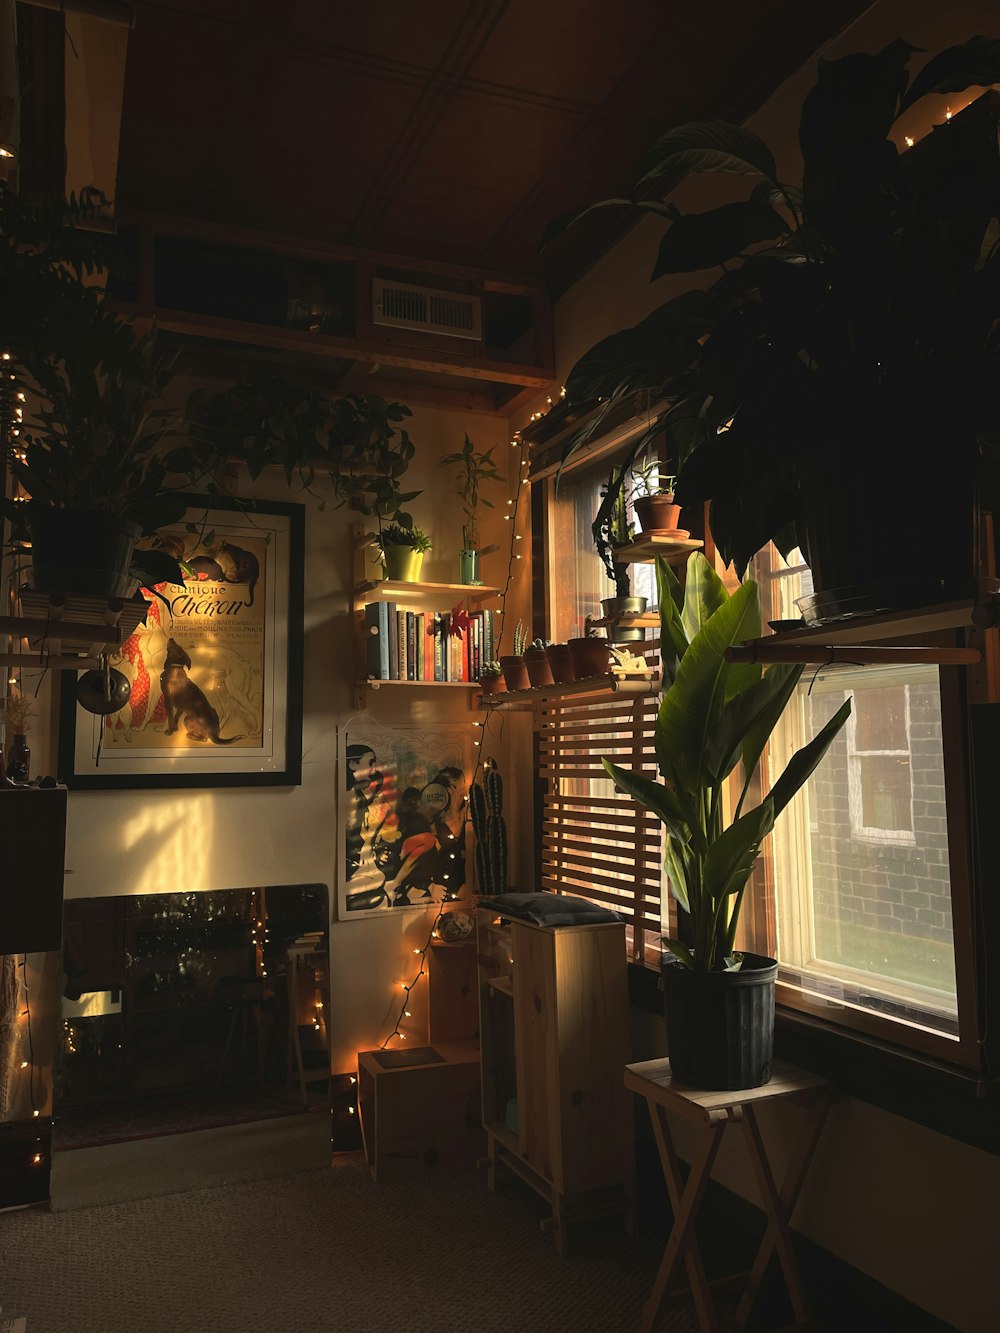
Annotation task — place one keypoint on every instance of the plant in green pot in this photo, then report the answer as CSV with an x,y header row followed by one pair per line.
x,y
855,328
715,715
475,467
402,551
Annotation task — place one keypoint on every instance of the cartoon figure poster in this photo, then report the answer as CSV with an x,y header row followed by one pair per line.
x,y
403,794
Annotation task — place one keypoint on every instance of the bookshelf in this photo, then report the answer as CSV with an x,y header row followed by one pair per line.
x,y
401,630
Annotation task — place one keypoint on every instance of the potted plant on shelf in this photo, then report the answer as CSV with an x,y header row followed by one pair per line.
x,y
402,551
476,468
536,663
560,663
515,673
611,531
714,715
491,678
590,654
854,328
653,500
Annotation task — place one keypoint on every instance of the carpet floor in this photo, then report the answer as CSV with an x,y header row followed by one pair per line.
x,y
325,1250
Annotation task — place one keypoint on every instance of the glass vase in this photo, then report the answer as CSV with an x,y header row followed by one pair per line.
x,y
19,760
468,567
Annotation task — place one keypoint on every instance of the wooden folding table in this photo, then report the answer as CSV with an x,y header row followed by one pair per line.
x,y
712,1112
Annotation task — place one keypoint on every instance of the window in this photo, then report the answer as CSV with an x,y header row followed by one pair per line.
x,y
860,863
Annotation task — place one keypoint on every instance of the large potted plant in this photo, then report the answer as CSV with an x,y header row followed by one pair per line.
x,y
716,715
92,445
476,467
853,333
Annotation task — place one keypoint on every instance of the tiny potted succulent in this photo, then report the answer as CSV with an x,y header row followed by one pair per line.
x,y
515,672
402,551
537,663
491,678
591,654
476,467
653,499
560,663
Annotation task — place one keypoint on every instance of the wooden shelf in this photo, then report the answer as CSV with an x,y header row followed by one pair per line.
x,y
70,631
645,549
895,624
375,684
502,984
630,619
617,682
394,590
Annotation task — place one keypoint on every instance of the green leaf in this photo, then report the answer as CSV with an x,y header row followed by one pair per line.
x,y
702,240
975,63
655,796
670,599
730,858
752,712
691,706
704,593
709,145
680,951
153,567
803,763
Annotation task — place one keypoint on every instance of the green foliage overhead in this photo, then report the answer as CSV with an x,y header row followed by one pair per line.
x,y
848,306
714,715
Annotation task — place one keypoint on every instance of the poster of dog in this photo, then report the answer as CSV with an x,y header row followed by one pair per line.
x,y
402,803
208,671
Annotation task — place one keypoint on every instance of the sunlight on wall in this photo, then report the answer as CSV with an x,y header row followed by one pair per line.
x,y
166,844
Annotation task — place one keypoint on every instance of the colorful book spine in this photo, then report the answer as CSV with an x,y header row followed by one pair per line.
x,y
401,644
411,645
419,653
439,673
393,643
376,641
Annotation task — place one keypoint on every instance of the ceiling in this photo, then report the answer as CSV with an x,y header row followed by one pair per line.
x,y
446,130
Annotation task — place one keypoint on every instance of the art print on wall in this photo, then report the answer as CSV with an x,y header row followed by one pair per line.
x,y
402,800
215,674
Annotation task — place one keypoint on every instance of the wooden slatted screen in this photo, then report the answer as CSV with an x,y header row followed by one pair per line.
x,y
597,843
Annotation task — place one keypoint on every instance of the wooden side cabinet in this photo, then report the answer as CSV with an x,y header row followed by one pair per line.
x,y
419,1105
554,1035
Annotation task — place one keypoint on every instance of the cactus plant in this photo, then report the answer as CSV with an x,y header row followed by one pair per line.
x,y
520,639
490,829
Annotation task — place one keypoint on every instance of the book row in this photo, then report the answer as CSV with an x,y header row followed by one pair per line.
x,y
420,645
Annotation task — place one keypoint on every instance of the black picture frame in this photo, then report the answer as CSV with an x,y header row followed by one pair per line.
x,y
133,752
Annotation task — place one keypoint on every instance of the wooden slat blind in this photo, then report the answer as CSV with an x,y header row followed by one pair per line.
x,y
597,843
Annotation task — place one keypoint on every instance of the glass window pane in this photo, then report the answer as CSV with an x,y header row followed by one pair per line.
x,y
880,719
861,855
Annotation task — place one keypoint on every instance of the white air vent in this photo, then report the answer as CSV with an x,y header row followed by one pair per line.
x,y
405,307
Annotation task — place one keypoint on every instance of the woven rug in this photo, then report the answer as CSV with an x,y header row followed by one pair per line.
x,y
326,1251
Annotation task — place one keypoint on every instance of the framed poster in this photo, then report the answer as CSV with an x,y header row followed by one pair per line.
x,y
216,677
403,793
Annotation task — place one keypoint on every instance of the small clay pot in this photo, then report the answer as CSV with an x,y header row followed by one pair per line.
x,y
515,673
658,513
539,671
560,663
492,682
591,657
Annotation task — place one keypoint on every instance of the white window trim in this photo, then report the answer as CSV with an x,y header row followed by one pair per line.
x,y
855,797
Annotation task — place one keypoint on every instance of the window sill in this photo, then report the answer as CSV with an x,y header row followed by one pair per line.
x,y
942,1097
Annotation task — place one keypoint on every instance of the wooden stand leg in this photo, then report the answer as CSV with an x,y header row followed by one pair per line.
x,y
777,1235
682,1241
795,1174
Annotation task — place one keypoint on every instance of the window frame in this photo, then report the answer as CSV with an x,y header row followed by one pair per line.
x,y
855,790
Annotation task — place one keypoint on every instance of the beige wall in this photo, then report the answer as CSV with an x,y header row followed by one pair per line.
x,y
145,842
909,1207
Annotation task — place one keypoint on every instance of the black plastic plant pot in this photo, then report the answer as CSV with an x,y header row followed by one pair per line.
x,y
81,551
720,1025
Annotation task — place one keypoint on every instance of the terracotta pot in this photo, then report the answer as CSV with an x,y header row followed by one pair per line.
x,y
591,657
515,673
560,663
539,671
658,513
492,682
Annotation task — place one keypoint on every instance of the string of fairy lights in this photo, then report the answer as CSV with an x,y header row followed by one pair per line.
x,y
482,728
